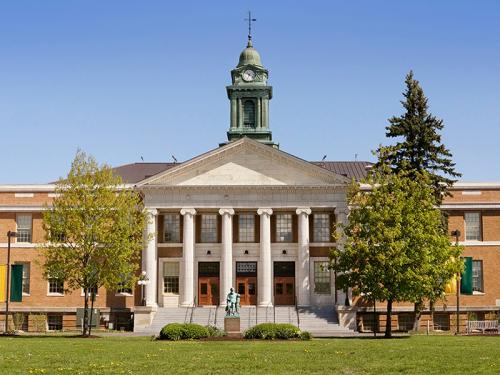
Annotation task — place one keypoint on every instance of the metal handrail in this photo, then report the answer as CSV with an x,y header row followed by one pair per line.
x,y
192,310
297,311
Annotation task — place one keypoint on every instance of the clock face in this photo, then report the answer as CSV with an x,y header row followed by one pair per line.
x,y
248,75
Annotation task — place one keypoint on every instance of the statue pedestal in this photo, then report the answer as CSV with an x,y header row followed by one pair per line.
x,y
232,326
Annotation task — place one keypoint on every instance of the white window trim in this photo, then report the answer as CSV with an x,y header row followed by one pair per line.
x,y
162,276
82,294
480,226
49,294
123,294
31,227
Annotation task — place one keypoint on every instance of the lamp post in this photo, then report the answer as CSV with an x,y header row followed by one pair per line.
x,y
456,234
143,281
10,234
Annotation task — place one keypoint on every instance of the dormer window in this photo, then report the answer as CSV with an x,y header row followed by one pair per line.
x,y
249,114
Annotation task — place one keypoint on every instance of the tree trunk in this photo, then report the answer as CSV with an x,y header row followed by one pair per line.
x,y
418,314
388,322
92,299
85,309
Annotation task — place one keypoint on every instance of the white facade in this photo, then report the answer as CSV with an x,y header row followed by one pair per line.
x,y
241,177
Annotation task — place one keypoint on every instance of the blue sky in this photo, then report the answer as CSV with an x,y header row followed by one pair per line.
x,y
125,79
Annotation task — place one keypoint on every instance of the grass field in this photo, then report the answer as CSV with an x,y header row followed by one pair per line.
x,y
140,355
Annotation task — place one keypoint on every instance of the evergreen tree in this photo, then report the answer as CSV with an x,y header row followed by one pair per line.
x,y
420,147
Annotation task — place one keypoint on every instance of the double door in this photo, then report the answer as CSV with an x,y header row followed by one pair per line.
x,y
246,286
284,290
208,290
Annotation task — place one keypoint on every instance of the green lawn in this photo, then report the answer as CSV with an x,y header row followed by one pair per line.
x,y
140,355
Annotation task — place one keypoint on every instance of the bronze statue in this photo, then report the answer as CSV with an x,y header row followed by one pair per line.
x,y
233,303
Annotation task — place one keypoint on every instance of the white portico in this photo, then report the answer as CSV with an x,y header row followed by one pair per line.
x,y
247,216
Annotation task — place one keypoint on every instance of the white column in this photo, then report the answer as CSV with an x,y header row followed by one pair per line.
x,y
187,298
341,221
265,285
303,280
226,280
149,257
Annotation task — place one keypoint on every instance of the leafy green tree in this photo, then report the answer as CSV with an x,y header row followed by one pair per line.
x,y
395,246
94,231
419,147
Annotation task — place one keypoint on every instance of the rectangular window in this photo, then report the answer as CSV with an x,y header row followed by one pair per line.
x,y
441,322
172,228
321,278
321,228
124,290
477,276
55,322
171,277
26,278
56,286
208,230
472,226
284,228
246,227
23,227
405,322
94,289
369,323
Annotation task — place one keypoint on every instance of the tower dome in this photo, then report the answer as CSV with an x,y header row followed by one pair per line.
x,y
249,56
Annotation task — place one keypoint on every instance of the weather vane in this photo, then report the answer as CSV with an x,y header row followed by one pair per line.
x,y
250,20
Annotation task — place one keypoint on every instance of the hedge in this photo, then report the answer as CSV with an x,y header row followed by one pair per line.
x,y
272,331
189,331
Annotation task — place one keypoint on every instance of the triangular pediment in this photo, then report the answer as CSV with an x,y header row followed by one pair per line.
x,y
245,163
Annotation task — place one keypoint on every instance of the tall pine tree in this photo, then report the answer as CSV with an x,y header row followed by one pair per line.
x,y
420,148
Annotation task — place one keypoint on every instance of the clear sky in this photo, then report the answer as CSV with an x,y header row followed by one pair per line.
x,y
124,79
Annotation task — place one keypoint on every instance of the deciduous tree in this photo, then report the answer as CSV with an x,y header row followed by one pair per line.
x,y
94,231
395,246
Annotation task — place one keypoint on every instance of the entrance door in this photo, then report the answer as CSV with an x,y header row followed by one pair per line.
x,y
284,283
208,283
208,291
246,282
246,287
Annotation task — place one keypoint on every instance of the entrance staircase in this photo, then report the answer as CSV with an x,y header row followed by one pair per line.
x,y
319,321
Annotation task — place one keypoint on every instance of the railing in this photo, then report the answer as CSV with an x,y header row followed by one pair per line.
x,y
192,310
297,312
216,312
274,313
482,325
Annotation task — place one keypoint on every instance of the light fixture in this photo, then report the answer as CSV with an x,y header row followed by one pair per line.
x,y
209,252
284,252
246,252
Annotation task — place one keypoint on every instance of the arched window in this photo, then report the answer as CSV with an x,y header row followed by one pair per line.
x,y
249,114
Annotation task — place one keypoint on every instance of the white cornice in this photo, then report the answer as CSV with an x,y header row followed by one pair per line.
x,y
475,185
22,208
41,188
28,188
470,206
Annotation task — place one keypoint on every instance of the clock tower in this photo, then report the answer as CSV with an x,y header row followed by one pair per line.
x,y
249,96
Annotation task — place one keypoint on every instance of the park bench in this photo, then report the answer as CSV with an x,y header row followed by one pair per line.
x,y
482,326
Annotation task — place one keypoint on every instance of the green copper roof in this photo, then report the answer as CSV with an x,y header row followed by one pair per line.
x,y
249,56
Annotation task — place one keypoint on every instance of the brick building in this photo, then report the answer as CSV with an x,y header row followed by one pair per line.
x,y
244,215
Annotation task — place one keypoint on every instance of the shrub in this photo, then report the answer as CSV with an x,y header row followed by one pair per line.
x,y
304,335
187,331
193,331
271,331
172,331
213,331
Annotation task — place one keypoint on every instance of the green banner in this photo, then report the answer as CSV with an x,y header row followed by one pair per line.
x,y
16,283
466,280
